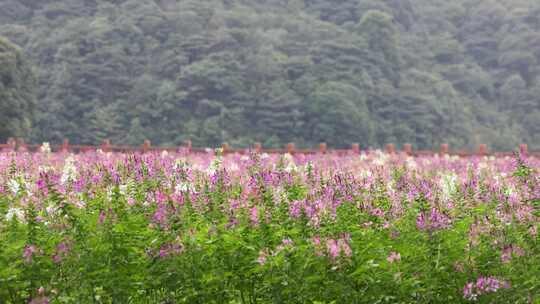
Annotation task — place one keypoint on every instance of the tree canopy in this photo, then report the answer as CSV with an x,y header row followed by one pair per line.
x,y
17,92
420,71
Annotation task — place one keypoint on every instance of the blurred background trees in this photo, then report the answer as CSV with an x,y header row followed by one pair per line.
x,y
17,92
274,71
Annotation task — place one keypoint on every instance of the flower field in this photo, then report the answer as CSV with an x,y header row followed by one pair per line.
x,y
324,228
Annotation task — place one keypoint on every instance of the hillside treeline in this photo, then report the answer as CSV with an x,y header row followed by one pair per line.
x,y
274,71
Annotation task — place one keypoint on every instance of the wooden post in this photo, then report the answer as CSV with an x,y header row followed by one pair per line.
x,y
443,150
524,149
146,145
106,145
12,143
482,150
290,148
407,148
355,147
257,147
322,148
390,149
225,148
21,145
65,146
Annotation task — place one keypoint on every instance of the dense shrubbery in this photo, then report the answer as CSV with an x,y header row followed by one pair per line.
x,y
185,228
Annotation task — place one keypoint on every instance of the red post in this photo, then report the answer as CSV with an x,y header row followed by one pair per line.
x,y
106,145
257,147
225,148
407,148
482,150
355,148
146,145
390,149
290,148
443,149
524,149
65,146
322,148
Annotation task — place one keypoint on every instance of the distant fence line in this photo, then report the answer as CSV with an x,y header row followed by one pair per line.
x,y
19,144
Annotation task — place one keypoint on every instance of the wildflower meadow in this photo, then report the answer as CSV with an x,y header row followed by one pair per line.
x,y
182,227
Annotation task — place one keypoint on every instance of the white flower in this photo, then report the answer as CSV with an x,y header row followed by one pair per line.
x,y
234,167
380,158
123,189
181,163
411,163
289,161
448,184
45,148
80,204
290,167
15,212
164,154
51,210
45,169
365,173
184,187
70,171
214,166
27,187
14,186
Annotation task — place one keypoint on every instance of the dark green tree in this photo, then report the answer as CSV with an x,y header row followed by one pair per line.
x,y
17,92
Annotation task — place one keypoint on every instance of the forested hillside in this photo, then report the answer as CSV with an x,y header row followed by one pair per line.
x,y
274,71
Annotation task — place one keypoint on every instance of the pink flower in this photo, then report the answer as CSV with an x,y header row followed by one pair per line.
x,y
262,257
254,215
287,242
333,248
345,248
435,221
316,240
295,209
510,251
131,201
533,231
102,217
170,249
62,251
394,257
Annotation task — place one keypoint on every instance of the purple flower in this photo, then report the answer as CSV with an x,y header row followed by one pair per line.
x,y
483,285
29,252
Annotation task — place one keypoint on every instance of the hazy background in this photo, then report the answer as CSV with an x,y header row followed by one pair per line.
x,y
419,71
